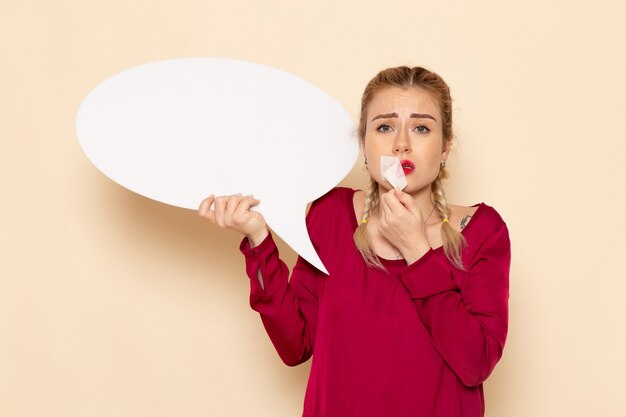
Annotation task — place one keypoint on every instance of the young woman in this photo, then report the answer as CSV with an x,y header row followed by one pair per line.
x,y
413,315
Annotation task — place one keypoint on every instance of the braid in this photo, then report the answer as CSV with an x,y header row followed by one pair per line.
x,y
361,238
371,200
440,199
453,241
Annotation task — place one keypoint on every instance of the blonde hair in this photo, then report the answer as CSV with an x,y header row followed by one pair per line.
x,y
405,77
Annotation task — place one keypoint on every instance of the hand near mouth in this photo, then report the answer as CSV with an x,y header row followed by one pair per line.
x,y
401,223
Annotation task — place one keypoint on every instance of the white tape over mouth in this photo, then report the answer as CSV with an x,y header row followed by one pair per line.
x,y
391,170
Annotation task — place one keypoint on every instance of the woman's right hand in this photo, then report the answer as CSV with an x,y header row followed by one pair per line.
x,y
233,212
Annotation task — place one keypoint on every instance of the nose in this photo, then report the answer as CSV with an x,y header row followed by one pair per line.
x,y
401,143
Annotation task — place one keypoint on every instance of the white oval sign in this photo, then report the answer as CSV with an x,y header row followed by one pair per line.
x,y
178,130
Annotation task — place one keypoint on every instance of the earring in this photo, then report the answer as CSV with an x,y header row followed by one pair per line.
x,y
365,160
443,163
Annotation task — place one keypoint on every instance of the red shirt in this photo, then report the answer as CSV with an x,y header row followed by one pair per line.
x,y
417,340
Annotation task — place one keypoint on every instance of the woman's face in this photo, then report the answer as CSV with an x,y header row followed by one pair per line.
x,y
405,123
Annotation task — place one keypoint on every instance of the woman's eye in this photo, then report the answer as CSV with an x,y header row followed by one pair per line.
x,y
422,129
384,128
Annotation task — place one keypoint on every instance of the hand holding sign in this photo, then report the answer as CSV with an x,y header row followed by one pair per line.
x,y
234,212
179,130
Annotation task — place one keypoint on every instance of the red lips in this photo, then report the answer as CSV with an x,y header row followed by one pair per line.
x,y
407,166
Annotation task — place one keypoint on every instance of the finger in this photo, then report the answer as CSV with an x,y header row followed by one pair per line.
x,y
407,201
205,204
253,201
246,203
393,201
243,208
390,202
231,206
382,222
385,211
404,198
382,203
205,209
219,208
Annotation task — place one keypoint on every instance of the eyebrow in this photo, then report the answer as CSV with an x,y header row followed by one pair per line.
x,y
414,115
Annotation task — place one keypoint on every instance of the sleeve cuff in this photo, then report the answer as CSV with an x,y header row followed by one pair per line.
x,y
427,276
263,248
264,259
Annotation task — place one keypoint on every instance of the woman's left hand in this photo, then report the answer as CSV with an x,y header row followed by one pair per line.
x,y
402,225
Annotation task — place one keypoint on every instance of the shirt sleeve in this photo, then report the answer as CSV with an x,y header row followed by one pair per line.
x,y
467,325
288,309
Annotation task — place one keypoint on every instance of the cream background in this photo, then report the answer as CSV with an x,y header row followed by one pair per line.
x,y
115,305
